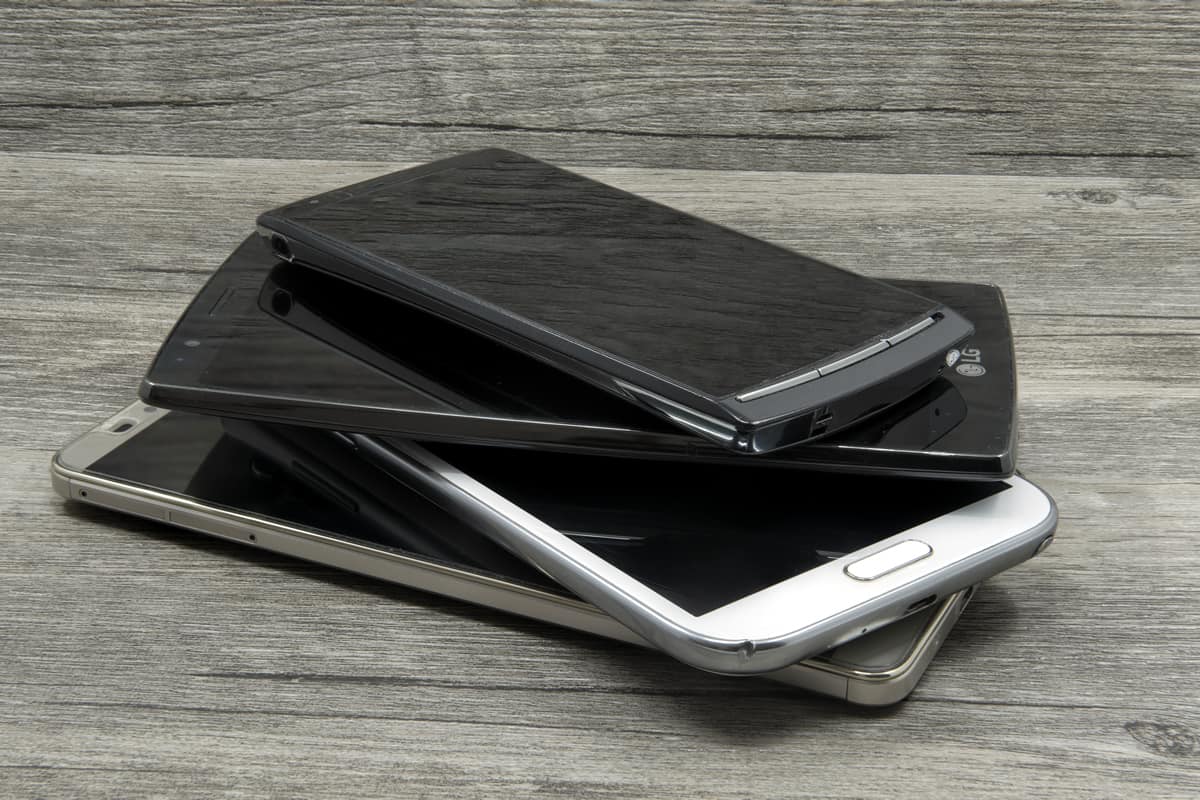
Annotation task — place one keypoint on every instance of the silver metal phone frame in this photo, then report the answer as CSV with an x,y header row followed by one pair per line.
x,y
748,636
859,686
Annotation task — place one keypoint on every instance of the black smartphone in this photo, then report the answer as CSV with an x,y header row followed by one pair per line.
x,y
281,342
749,345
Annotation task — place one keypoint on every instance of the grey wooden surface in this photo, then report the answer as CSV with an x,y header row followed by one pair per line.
x,y
1052,150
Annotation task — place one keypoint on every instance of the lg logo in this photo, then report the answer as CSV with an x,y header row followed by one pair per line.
x,y
971,363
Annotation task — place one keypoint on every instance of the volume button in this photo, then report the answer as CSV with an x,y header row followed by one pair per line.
x,y
910,331
853,358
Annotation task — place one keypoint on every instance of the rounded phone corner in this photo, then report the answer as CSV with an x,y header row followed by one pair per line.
x,y
73,458
148,392
880,694
1006,466
59,479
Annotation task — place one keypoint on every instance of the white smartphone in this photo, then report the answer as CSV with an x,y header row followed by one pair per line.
x,y
748,569
296,496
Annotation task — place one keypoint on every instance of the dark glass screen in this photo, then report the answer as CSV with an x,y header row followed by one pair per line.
x,y
681,297
706,535
273,335
670,528
193,456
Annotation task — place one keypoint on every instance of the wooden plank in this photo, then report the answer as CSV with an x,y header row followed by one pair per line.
x,y
1053,89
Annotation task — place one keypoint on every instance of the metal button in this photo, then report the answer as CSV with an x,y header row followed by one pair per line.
x,y
910,331
779,386
854,358
889,560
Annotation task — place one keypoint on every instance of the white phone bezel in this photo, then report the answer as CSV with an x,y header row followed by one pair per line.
x,y
767,630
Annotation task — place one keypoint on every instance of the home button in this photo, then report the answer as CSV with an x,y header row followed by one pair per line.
x,y
879,564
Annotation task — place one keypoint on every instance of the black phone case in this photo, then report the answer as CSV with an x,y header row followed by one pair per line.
x,y
790,403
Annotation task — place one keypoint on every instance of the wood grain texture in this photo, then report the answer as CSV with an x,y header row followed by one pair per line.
x,y
134,645
1079,88
138,143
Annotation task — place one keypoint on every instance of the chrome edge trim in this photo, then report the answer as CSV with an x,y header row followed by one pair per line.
x,y
854,358
779,386
910,331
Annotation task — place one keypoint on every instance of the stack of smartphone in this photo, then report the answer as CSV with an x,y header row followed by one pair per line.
x,y
497,380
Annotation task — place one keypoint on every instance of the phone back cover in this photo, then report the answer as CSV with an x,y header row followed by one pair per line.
x,y
617,289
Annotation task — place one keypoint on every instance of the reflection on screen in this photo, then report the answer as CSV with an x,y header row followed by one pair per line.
x,y
703,536
193,456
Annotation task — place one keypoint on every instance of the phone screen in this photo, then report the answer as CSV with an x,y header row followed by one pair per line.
x,y
192,456
268,333
705,535
692,301
668,528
